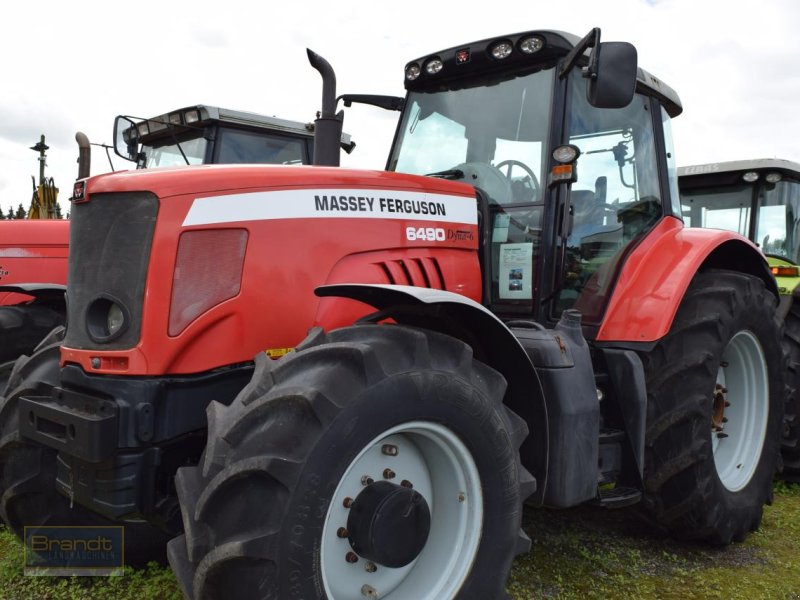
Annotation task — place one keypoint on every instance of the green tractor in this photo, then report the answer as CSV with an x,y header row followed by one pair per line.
x,y
759,199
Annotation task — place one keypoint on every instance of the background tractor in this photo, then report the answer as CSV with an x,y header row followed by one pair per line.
x,y
759,199
512,311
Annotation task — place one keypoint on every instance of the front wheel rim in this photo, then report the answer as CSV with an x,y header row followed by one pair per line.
x,y
741,410
441,468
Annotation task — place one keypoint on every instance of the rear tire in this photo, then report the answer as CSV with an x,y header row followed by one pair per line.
x,y
716,396
28,496
264,512
790,440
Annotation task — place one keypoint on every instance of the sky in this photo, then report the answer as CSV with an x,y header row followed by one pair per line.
x,y
73,66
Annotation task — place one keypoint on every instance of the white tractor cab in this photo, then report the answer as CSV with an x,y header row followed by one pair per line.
x,y
759,199
210,135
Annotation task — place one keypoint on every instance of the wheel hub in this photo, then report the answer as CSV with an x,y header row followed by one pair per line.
x,y
389,524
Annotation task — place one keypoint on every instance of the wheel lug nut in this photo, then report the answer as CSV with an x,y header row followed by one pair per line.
x,y
347,502
366,480
351,557
388,474
370,567
369,591
389,450
406,483
342,532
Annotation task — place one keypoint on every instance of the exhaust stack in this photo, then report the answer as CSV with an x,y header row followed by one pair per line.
x,y
328,124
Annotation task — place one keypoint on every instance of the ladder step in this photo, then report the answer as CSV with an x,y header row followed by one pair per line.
x,y
618,497
611,436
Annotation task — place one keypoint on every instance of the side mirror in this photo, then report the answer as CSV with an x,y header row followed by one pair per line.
x,y
126,138
612,75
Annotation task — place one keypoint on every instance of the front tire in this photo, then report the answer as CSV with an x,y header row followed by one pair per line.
x,y
379,462
23,327
28,495
716,398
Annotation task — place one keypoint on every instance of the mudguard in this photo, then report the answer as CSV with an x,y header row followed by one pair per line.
x,y
44,292
492,342
656,275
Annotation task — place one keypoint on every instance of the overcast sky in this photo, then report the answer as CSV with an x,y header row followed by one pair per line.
x,y
72,66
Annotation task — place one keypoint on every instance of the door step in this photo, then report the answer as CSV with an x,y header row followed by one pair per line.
x,y
618,497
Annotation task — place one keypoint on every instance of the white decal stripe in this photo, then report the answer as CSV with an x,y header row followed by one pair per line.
x,y
335,203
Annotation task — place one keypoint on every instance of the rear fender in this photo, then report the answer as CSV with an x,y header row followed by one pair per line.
x,y
492,342
656,275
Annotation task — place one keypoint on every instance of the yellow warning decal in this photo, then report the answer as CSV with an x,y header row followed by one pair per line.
x,y
278,352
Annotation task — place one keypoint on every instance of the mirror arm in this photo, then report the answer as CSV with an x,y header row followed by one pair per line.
x,y
592,40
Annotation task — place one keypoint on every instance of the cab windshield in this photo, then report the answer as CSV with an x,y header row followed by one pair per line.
x,y
775,226
232,146
166,153
491,136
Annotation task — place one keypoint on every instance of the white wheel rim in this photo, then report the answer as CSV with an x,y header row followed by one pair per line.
x,y
742,378
441,468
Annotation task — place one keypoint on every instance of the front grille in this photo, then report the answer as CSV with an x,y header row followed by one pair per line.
x,y
109,250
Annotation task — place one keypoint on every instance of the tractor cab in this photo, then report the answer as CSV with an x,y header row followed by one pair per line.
x,y
518,119
207,134
759,199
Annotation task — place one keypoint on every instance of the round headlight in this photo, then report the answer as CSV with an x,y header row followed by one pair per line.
x,y
502,50
750,176
106,319
433,66
774,177
531,45
566,154
115,319
412,71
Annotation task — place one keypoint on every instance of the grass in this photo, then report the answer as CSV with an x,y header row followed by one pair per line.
x,y
593,553
576,554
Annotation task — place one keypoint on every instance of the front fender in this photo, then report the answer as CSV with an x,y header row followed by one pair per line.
x,y
492,342
656,275
21,293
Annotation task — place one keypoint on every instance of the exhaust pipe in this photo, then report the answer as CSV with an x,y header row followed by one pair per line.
x,y
328,124
84,155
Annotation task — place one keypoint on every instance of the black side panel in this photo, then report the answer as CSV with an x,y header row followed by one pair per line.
x,y
109,248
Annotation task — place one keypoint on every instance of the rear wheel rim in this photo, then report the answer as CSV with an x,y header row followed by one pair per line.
x,y
741,401
441,468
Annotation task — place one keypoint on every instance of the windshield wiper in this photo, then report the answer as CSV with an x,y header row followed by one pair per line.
x,y
448,174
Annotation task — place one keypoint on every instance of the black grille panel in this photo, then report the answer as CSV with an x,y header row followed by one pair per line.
x,y
109,250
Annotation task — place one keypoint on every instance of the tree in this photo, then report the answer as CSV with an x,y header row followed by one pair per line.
x,y
10,213
21,212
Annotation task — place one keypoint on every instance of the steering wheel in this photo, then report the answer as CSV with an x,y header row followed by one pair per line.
x,y
534,182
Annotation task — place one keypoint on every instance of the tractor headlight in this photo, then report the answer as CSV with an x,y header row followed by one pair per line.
x,y
502,50
106,319
412,71
434,65
773,177
750,176
531,45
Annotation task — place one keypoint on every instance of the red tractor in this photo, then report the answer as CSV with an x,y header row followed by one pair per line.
x,y
511,312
